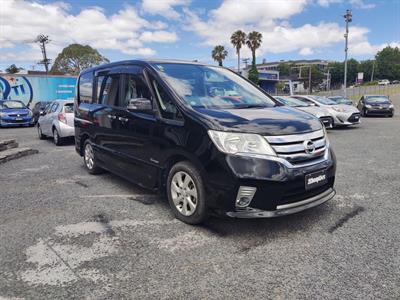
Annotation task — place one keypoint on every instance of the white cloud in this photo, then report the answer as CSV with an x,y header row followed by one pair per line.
x,y
125,30
354,3
163,7
278,35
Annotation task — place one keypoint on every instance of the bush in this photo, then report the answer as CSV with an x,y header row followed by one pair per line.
x,y
375,82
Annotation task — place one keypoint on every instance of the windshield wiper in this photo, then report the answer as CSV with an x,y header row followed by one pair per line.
x,y
251,106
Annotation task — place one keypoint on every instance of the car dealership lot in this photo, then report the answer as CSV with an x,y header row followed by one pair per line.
x,y
65,233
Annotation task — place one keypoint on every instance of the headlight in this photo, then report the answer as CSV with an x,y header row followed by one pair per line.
x,y
338,109
391,106
368,106
235,143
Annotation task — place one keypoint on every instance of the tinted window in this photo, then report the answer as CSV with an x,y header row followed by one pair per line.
x,y
85,88
54,107
69,108
109,90
134,87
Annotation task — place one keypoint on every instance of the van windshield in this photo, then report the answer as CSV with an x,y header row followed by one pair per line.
x,y
212,87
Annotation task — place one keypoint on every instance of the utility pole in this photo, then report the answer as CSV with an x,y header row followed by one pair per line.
x,y
309,80
373,69
328,80
42,40
348,18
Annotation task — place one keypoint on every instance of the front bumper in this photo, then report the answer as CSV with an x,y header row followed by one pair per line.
x,y
11,121
346,118
379,111
285,209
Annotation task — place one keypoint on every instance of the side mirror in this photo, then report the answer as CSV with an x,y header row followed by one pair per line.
x,y
140,104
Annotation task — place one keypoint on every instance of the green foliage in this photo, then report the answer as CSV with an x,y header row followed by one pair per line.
x,y
316,76
285,69
388,63
375,82
13,69
75,58
253,74
280,85
219,54
254,40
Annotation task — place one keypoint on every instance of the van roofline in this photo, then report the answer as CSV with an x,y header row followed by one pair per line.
x,y
146,62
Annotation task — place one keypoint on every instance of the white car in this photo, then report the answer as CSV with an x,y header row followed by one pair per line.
x,y
342,114
318,112
383,82
57,121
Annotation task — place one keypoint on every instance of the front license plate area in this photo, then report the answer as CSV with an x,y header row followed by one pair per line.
x,y
315,179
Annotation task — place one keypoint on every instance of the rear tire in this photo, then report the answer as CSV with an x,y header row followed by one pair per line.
x,y
56,138
186,193
40,134
89,159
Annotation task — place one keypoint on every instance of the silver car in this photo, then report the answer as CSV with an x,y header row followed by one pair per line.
x,y
57,121
342,114
316,111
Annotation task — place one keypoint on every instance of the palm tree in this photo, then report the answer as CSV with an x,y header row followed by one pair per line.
x,y
219,53
254,40
238,39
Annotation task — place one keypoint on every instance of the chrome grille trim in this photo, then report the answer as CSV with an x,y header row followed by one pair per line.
x,y
291,147
293,138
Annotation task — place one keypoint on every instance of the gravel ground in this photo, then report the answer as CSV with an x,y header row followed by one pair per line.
x,y
67,234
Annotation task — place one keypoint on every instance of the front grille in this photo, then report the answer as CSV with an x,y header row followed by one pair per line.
x,y
327,121
354,117
17,115
293,149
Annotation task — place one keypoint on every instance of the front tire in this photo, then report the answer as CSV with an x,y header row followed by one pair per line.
x,y
186,194
89,159
40,134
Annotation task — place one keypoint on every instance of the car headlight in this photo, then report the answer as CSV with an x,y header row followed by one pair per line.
x,y
368,106
391,106
236,143
338,108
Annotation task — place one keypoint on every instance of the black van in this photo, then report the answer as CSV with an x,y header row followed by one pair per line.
x,y
211,139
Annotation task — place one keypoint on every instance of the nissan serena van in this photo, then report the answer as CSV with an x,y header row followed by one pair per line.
x,y
209,138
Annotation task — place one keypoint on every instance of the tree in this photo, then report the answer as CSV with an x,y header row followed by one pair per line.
x,y
336,70
253,74
238,39
352,70
219,54
75,58
254,40
388,63
366,68
316,75
13,69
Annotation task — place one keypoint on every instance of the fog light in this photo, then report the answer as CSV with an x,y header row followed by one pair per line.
x,y
245,195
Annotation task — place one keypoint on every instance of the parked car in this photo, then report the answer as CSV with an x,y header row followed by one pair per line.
x,y
395,82
57,121
14,113
383,82
341,100
318,112
175,127
343,115
375,105
38,108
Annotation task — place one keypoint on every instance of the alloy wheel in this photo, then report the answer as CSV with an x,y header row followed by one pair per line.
x,y
184,193
89,156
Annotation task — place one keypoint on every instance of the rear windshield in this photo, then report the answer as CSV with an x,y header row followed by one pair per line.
x,y
13,104
212,87
377,99
69,108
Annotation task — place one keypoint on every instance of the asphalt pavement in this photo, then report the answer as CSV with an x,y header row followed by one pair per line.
x,y
67,234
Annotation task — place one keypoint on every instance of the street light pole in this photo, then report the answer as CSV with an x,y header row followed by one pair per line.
x,y
348,18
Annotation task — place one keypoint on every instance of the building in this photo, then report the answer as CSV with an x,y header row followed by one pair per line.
x,y
267,78
321,64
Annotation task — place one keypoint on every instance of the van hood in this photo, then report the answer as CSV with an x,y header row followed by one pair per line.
x,y
265,121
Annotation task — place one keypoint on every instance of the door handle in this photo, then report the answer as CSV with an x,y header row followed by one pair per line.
x,y
124,120
111,117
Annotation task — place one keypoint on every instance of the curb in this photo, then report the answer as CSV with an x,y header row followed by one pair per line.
x,y
8,144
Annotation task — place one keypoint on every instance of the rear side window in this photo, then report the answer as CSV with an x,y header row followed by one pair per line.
x,y
86,88
69,108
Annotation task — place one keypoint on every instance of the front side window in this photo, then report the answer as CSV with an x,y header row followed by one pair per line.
x,y
167,106
212,87
135,87
86,88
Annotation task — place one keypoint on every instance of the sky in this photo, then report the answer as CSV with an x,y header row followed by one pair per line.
x,y
189,29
